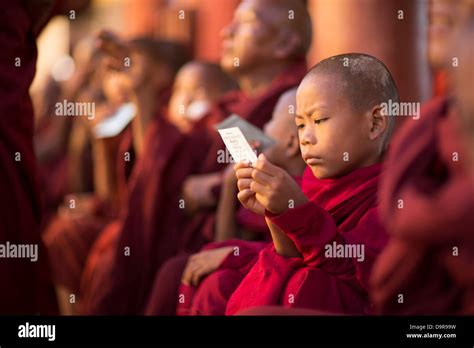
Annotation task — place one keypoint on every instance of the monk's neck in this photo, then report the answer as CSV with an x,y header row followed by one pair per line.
x,y
257,81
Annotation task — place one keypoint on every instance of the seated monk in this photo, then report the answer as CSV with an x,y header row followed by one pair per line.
x,y
327,235
218,268
81,219
264,49
149,232
428,190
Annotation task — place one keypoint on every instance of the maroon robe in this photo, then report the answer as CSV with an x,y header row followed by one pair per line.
x,y
427,206
149,233
25,286
170,296
69,239
341,211
164,298
156,229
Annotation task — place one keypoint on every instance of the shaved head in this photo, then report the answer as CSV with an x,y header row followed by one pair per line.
x,y
284,110
296,16
265,32
363,79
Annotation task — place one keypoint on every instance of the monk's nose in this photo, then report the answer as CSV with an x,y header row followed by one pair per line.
x,y
308,137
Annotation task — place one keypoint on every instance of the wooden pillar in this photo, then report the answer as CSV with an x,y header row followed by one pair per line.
x,y
212,16
394,31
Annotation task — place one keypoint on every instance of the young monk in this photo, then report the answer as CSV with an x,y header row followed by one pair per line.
x,y
266,62
215,271
343,133
152,226
427,205
270,49
70,236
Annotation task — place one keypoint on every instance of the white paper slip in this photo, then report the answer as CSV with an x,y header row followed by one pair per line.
x,y
250,132
116,123
237,145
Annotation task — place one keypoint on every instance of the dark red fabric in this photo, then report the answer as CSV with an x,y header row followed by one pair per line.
x,y
419,273
170,296
156,228
69,239
340,210
25,287
152,224
256,110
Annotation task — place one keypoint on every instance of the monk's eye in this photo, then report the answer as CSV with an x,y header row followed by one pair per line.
x,y
319,121
300,126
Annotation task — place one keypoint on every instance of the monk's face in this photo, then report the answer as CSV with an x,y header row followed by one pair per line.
x,y
114,86
334,139
191,88
248,40
445,18
282,129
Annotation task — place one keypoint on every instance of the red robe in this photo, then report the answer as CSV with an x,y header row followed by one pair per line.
x,y
419,273
164,298
25,286
342,211
69,239
164,230
149,233
212,294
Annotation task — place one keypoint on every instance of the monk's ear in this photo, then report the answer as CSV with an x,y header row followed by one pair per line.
x,y
287,44
292,146
378,123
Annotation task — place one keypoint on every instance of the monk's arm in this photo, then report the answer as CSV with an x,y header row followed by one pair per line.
x,y
226,227
319,240
105,178
283,244
77,146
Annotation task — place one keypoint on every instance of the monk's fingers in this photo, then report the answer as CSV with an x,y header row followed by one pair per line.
x,y
244,184
261,177
259,188
188,272
198,274
244,173
242,165
264,165
245,195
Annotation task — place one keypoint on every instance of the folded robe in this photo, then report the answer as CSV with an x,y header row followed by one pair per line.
x,y
341,211
427,205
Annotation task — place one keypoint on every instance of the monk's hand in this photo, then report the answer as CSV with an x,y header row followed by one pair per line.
x,y
274,188
78,205
204,263
197,192
229,176
243,173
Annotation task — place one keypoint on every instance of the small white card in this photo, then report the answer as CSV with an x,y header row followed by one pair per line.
x,y
116,123
237,145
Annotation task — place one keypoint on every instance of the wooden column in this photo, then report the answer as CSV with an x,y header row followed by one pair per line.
x,y
394,31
